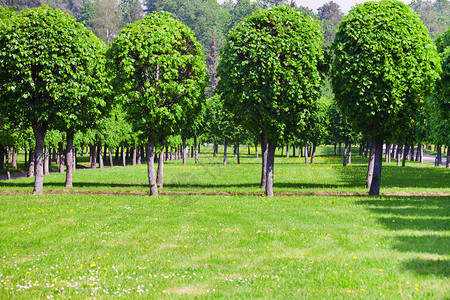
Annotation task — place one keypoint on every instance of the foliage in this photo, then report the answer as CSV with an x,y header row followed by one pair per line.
x,y
384,67
442,94
434,14
330,15
159,74
47,71
268,71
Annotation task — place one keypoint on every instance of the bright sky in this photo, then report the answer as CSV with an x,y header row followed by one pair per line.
x,y
345,5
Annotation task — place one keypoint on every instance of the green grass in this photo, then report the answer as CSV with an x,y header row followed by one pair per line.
x,y
229,246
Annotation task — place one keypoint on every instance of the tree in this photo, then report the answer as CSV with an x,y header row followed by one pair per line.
x,y
46,66
131,11
106,21
443,91
330,16
384,66
268,75
435,15
159,73
270,3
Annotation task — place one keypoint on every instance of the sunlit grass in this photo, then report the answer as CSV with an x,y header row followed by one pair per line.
x,y
224,246
229,246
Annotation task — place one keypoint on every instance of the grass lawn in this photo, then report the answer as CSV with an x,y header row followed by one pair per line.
x,y
229,246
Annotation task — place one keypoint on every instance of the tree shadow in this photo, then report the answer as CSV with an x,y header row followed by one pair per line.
x,y
427,217
428,267
423,244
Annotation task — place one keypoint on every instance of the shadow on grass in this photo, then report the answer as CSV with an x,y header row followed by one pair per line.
x,y
428,267
425,215
423,244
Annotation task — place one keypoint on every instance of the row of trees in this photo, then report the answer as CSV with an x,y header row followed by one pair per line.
x,y
155,74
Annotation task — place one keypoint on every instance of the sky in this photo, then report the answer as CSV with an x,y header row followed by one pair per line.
x,y
345,5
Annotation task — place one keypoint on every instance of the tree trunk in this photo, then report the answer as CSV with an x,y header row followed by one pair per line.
x,y
264,161
14,159
8,155
69,158
256,150
335,149
388,152
306,153
39,135
371,164
100,156
421,153
195,150
93,155
61,157
399,154
184,151
349,154
300,150
287,151
134,156
270,164
368,146
447,164
313,153
293,150
46,161
418,152
225,154
376,180
160,170
122,155
282,151
151,168
344,161
31,166
248,150
238,156
26,155
215,150
361,149
74,165
339,149
105,153
111,162
439,154
2,157
405,154
234,151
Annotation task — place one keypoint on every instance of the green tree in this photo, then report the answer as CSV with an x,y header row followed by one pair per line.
x,y
443,92
159,73
435,15
131,11
268,75
383,68
330,16
46,68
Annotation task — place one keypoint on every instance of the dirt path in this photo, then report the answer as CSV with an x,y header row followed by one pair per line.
x,y
216,193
